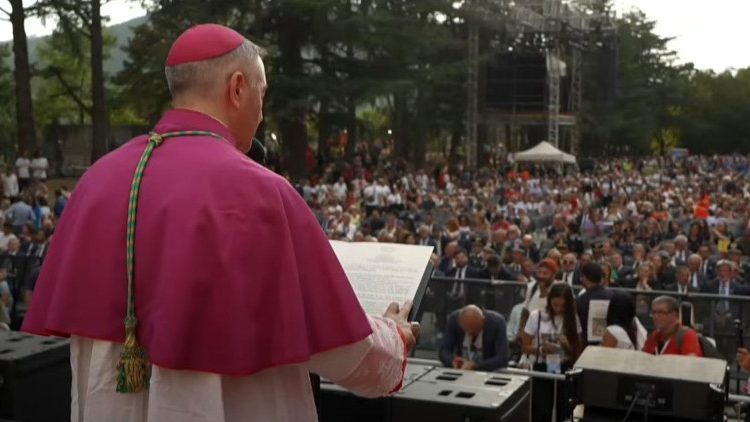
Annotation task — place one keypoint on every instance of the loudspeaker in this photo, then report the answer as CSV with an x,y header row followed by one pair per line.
x,y
454,395
340,405
668,386
34,378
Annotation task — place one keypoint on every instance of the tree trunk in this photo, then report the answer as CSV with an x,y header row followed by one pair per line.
x,y
99,116
324,131
293,129
399,125
351,126
22,73
294,137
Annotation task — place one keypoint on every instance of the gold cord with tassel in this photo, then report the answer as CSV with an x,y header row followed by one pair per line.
x,y
134,368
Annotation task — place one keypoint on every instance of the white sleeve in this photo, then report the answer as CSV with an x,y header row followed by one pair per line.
x,y
531,324
372,367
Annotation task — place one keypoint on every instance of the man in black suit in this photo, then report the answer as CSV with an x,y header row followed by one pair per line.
x,y
697,278
725,311
570,273
425,239
448,263
726,285
592,280
495,271
743,269
475,339
708,267
462,271
683,284
681,252
622,274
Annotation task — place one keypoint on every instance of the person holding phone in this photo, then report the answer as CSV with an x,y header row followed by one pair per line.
x,y
552,339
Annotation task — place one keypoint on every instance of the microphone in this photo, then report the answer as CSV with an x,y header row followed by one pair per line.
x,y
257,152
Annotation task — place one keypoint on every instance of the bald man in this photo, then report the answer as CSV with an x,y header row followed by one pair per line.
x,y
475,339
236,296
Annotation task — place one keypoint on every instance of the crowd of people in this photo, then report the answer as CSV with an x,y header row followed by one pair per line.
x,y
28,222
654,224
678,225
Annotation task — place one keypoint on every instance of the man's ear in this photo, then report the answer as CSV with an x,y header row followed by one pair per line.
x,y
236,87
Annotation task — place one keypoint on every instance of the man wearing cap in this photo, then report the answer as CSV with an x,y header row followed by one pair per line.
x,y
231,338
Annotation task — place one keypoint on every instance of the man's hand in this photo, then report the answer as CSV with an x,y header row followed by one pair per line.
x,y
743,358
409,330
469,365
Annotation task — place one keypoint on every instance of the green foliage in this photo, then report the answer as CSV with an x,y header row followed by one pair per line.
x,y
366,66
64,90
7,103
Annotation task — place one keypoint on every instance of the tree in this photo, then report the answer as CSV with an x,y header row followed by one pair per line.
x,y
647,89
66,88
22,74
7,111
327,61
84,17
714,116
141,85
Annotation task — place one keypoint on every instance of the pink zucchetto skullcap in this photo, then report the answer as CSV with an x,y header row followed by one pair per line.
x,y
203,42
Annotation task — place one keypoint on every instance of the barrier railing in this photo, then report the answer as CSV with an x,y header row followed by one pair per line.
x,y
18,268
725,319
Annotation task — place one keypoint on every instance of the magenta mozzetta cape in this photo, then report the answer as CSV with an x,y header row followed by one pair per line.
x,y
233,273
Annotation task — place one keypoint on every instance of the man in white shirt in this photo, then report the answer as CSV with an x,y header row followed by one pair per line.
x,y
536,294
6,235
381,192
23,165
10,183
39,166
340,189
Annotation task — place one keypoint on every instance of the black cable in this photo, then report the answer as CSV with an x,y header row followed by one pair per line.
x,y
632,405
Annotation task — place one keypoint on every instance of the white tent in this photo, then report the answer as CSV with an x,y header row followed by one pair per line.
x,y
544,152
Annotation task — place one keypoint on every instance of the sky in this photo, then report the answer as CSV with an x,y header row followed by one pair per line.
x,y
709,33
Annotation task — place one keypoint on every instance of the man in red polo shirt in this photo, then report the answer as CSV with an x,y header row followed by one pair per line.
x,y
663,341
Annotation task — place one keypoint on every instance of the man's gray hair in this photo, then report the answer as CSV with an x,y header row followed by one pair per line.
x,y
206,77
671,303
683,269
681,238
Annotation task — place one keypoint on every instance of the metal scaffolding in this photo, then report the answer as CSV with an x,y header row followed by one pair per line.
x,y
472,108
561,30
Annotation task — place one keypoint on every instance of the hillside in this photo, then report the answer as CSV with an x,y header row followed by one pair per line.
x,y
123,32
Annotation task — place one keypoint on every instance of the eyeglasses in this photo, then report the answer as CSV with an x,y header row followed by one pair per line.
x,y
569,262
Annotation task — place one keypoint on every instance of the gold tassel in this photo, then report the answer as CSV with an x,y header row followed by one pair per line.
x,y
133,367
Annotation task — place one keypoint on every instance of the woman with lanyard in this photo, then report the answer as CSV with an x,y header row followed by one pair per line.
x,y
552,339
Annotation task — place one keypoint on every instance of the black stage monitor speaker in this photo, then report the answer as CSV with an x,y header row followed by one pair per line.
x,y
339,405
34,378
453,395
431,393
664,387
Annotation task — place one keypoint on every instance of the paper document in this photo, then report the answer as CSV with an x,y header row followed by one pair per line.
x,y
381,273
597,323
